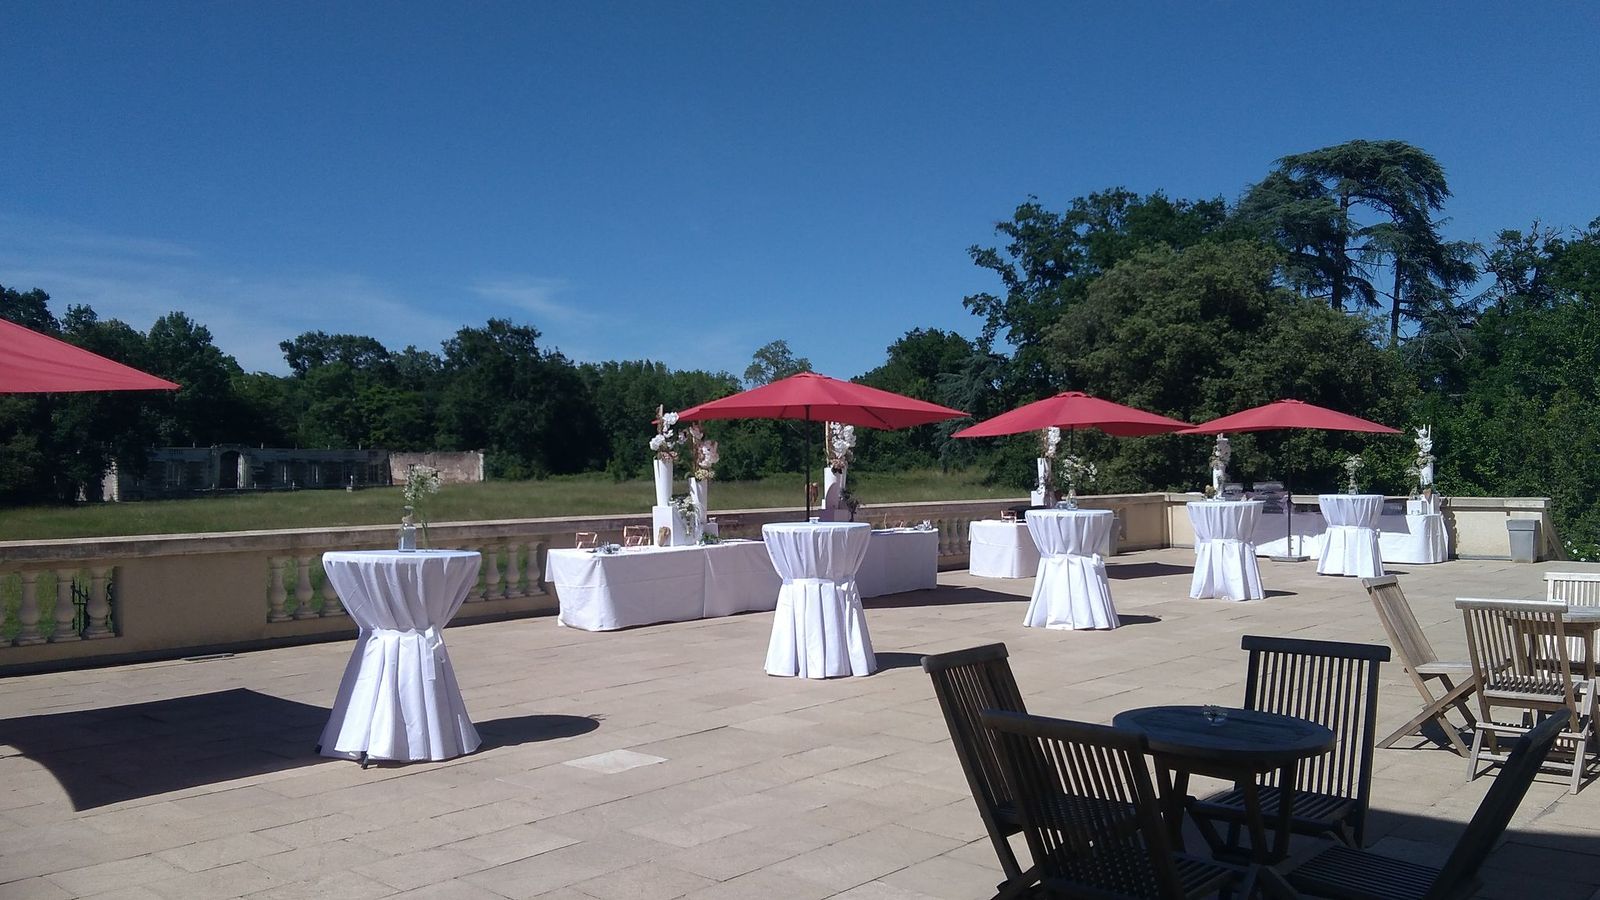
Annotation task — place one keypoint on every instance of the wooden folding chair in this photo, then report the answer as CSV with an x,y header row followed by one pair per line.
x,y
966,682
1091,814
1519,655
1344,873
1334,684
1422,665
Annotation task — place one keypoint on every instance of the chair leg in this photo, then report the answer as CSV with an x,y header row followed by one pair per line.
x,y
1477,747
1579,752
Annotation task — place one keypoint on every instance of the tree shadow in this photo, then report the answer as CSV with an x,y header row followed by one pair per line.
x,y
1145,570
108,755
532,729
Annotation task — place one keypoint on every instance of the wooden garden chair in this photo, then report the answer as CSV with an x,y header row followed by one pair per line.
x,y
1107,840
1422,665
1331,683
1519,656
1344,873
966,682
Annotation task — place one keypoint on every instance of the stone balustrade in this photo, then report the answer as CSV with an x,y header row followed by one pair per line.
x,y
101,600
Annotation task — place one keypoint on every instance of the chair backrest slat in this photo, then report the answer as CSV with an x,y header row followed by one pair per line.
x,y
1497,808
1334,684
966,682
1405,634
1518,647
1575,588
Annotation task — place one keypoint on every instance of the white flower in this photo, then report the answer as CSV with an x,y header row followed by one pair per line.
x,y
706,454
659,442
668,420
1052,440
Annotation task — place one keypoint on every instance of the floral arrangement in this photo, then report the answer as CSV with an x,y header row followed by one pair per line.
x,y
666,441
1353,465
421,482
704,464
850,502
684,506
1076,471
841,446
1422,467
1221,453
1049,440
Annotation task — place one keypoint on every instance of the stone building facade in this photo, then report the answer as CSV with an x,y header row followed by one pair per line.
x,y
172,472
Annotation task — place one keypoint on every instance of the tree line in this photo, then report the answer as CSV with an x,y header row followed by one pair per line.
x,y
1328,281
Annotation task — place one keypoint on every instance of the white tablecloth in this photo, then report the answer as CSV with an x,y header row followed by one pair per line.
x,y
398,698
1224,558
1071,590
641,586
899,560
1350,546
1411,539
998,549
819,629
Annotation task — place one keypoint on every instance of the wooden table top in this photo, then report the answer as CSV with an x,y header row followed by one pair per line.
x,y
1247,737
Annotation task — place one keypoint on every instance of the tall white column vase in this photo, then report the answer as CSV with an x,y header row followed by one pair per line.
x,y
833,508
1042,494
667,527
663,473
699,490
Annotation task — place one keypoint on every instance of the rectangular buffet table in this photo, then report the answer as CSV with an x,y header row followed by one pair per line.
x,y
899,560
641,586
1415,538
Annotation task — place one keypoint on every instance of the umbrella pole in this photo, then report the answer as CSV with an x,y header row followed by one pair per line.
x,y
1289,554
807,485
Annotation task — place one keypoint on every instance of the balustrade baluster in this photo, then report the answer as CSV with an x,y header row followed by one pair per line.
x,y
513,582
536,568
330,598
477,593
491,572
99,605
66,611
276,595
28,612
302,589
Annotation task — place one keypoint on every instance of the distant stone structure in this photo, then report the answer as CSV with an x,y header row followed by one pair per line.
x,y
455,466
172,472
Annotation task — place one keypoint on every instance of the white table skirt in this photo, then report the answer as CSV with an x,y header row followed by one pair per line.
x,y
643,586
819,629
1225,560
1350,545
1410,539
398,698
899,560
998,549
1071,590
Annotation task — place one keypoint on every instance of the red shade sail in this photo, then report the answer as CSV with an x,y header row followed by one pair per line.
x,y
818,398
34,363
1289,414
1074,409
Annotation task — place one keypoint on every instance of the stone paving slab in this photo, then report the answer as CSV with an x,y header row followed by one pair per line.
x,y
661,762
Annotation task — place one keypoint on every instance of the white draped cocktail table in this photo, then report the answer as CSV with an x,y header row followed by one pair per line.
x,y
398,698
1224,557
819,629
1350,546
1071,590
999,549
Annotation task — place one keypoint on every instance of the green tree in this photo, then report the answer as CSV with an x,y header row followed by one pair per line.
x,y
772,362
204,410
915,366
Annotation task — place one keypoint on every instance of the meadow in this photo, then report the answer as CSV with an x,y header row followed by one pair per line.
x,y
589,494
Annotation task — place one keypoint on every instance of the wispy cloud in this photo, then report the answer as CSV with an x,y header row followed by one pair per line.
x,y
534,295
138,281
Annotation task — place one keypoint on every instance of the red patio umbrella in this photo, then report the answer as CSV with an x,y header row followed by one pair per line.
x,y
810,397
1074,409
1289,414
34,363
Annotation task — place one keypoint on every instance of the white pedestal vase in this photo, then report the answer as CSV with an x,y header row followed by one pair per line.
x,y
663,473
833,508
667,528
1042,494
698,490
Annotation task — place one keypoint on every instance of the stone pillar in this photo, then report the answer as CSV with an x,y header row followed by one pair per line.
x,y
275,594
65,610
330,598
99,606
302,589
491,573
513,582
28,612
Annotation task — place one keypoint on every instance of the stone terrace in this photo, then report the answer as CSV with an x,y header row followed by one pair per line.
x,y
661,762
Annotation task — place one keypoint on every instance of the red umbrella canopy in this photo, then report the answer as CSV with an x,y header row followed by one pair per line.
x,y
818,398
1074,409
1289,414
34,363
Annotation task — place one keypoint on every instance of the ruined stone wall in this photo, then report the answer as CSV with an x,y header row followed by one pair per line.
x,y
455,467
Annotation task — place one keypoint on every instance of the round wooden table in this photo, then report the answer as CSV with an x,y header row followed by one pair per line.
x,y
1246,744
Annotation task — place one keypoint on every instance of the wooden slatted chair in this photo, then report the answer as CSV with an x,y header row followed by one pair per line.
x,y
1331,683
1108,840
966,682
1422,665
1344,873
1573,589
1519,656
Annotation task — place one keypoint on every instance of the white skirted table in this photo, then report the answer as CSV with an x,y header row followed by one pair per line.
x,y
1350,546
398,698
998,549
1224,557
645,585
899,560
1071,591
819,629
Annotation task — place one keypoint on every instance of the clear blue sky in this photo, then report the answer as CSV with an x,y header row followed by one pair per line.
x,y
687,181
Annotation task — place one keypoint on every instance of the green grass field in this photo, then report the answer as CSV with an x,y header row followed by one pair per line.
x,y
567,495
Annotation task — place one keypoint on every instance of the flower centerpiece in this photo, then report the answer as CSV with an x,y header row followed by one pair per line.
x,y
1076,471
841,449
1221,453
702,469
665,446
1043,485
422,482
1353,465
1422,467
688,513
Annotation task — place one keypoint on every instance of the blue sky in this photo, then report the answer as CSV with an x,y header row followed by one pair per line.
x,y
688,181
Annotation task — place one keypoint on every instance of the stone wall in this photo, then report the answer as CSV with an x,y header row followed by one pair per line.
x,y
455,467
